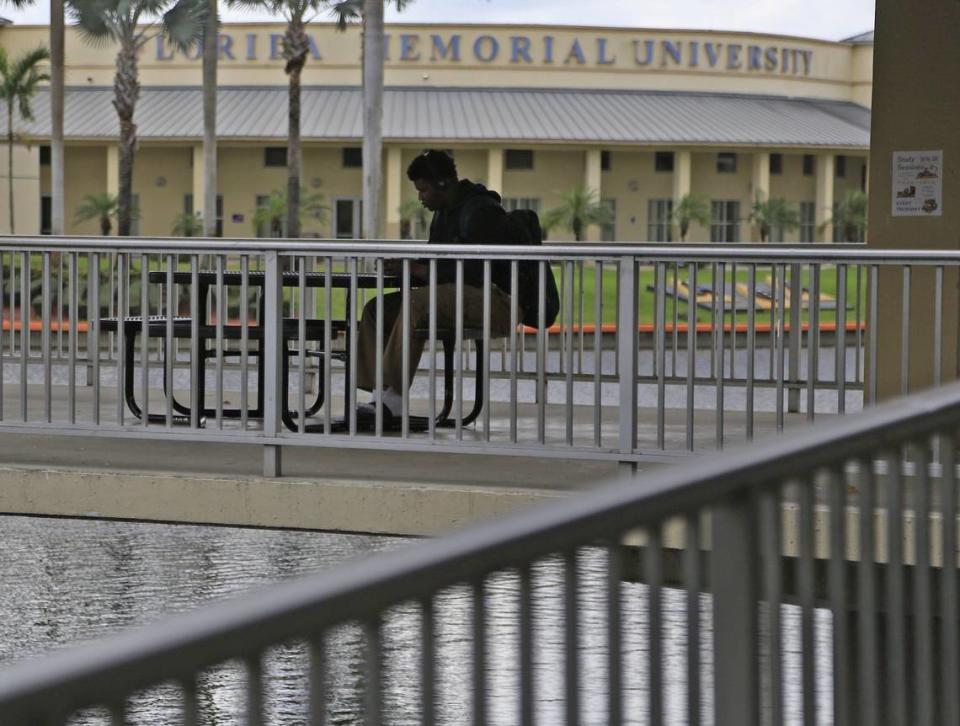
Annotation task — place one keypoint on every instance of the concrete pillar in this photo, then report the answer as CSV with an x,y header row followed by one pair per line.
x,y
495,170
591,180
197,185
393,182
824,200
915,101
113,169
760,183
682,165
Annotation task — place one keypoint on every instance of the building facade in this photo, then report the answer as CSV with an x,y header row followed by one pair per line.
x,y
641,117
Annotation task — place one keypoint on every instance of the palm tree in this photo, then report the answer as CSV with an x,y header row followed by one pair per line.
x,y
296,46
181,21
56,110
210,51
774,214
371,14
19,80
850,216
101,206
272,212
186,224
579,208
690,208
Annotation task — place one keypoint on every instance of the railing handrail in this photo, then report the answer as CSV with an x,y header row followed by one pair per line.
x,y
667,252
183,645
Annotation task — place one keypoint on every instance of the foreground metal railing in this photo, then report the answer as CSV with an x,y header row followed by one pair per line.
x,y
657,351
811,580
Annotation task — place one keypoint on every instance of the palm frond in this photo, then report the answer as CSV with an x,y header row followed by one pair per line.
x,y
24,64
346,12
96,20
183,23
268,5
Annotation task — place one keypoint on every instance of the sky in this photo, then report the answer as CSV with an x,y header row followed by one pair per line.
x,y
826,19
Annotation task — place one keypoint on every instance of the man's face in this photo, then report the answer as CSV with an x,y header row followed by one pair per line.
x,y
430,195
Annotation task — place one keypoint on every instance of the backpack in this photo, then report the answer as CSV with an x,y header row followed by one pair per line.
x,y
522,226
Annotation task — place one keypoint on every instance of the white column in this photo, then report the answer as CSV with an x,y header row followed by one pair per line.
x,y
824,201
198,178
393,183
682,164
495,170
760,186
591,180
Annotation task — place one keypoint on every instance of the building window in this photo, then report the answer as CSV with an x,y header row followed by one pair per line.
x,y
659,214
840,166
518,159
353,157
275,156
512,203
725,221
726,163
663,161
604,161
808,164
44,155
608,232
46,213
808,222
776,164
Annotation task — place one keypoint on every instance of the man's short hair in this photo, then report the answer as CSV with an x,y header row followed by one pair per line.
x,y
433,165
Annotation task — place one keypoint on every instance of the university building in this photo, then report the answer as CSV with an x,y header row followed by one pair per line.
x,y
643,117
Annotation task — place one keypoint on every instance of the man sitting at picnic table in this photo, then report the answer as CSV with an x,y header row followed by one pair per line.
x,y
463,213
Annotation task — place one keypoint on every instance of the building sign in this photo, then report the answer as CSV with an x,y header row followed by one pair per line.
x,y
543,51
917,183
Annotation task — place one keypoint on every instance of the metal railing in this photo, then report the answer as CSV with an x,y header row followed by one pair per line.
x,y
659,350
811,580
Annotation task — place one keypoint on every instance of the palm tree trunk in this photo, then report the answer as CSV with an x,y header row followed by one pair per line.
x,y
10,158
56,116
293,156
210,51
372,117
577,229
126,90
295,51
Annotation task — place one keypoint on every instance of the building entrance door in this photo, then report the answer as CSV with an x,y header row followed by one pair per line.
x,y
347,218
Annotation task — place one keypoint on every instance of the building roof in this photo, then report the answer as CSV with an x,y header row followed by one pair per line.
x,y
474,114
861,39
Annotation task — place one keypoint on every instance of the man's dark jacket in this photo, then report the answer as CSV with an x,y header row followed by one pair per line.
x,y
485,224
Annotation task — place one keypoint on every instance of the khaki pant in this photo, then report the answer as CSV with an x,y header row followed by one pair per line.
x,y
420,318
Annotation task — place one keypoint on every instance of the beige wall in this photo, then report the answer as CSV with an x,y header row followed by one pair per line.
x,y
163,175
586,57
916,102
161,178
26,189
632,182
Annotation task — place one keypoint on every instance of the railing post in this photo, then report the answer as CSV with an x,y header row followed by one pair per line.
x,y
733,574
796,298
627,291
272,352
